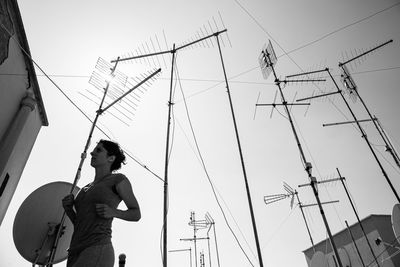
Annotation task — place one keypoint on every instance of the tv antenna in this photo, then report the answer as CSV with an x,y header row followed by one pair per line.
x,y
266,61
109,75
290,193
341,179
201,40
197,225
350,84
151,52
352,89
267,67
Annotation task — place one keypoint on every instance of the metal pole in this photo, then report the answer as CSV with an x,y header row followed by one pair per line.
x,y
354,242
305,221
194,237
78,173
367,52
208,243
216,244
165,263
389,146
365,138
241,158
306,164
358,218
389,149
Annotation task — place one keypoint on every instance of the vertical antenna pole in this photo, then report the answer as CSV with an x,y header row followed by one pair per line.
x,y
216,244
78,172
208,243
190,257
193,218
241,157
165,263
389,149
307,165
358,218
305,221
389,146
354,242
365,138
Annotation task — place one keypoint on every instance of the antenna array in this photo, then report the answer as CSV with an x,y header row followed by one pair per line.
x,y
117,84
153,46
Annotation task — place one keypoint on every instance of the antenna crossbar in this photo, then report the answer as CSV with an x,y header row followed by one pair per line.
x,y
303,81
316,96
322,203
345,122
286,104
170,51
130,90
363,54
305,73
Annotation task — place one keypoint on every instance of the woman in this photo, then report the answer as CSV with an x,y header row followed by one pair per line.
x,y
95,206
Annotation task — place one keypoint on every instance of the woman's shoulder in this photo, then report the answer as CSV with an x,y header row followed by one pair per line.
x,y
119,177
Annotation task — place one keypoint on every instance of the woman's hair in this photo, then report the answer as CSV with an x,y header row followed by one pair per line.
x,y
113,149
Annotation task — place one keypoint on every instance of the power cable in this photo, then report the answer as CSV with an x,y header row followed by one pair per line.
x,y
279,227
206,172
217,191
69,99
318,39
341,28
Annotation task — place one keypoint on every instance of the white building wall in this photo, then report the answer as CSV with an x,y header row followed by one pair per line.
x,y
365,252
21,110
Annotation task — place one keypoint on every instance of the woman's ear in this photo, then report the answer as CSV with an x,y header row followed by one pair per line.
x,y
111,158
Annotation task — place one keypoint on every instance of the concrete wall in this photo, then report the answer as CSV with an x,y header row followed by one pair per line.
x,y
375,226
22,112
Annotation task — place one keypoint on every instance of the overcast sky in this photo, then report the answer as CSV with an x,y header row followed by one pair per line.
x,y
67,37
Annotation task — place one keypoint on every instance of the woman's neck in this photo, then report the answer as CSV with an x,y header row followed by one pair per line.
x,y
101,173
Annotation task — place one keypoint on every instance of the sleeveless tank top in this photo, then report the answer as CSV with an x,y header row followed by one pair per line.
x,y
89,228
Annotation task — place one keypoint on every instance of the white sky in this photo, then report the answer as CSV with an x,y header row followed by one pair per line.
x,y
67,37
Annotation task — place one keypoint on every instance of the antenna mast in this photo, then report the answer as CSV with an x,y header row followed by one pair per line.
x,y
364,135
290,194
358,218
174,50
110,72
352,88
267,61
241,158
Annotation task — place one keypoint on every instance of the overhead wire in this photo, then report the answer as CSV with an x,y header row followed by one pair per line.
x,y
203,80
291,60
293,50
215,187
341,28
286,53
296,49
276,231
69,99
206,171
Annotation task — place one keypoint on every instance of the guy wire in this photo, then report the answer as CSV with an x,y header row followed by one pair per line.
x,y
69,99
208,177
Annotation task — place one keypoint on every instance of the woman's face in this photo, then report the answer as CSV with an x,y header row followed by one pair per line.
x,y
100,156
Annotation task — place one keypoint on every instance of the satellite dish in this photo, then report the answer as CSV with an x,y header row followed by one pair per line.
x,y
318,260
35,225
396,220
